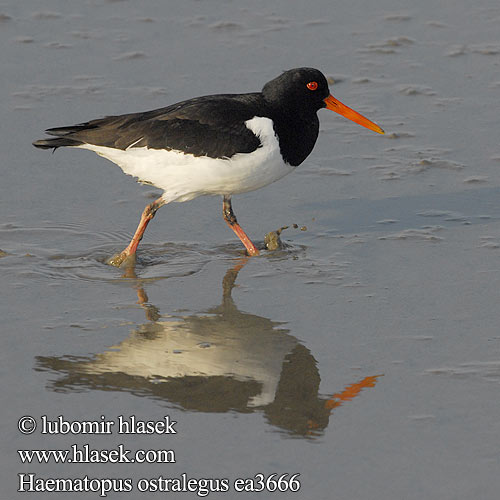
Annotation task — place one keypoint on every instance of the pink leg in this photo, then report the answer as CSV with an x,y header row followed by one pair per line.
x,y
230,218
130,251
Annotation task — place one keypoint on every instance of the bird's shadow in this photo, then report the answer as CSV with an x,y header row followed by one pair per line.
x,y
218,360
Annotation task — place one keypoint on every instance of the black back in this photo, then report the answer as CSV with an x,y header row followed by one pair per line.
x,y
214,125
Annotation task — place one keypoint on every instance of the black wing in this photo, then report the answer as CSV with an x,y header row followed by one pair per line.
x,y
205,126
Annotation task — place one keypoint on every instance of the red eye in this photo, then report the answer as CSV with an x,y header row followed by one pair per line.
x,y
312,85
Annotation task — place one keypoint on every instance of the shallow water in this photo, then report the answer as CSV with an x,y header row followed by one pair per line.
x,y
364,355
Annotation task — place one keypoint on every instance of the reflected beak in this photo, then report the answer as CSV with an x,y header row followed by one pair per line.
x,y
342,109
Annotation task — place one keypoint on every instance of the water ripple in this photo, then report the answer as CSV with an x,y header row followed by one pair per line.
x,y
36,253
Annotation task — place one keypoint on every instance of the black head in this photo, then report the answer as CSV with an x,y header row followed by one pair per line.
x,y
302,90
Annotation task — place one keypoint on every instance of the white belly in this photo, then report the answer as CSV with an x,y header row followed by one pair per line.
x,y
183,177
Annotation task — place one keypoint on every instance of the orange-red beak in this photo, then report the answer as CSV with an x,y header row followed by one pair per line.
x,y
342,109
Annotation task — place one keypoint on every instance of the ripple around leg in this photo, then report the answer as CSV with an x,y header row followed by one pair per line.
x,y
153,262
36,252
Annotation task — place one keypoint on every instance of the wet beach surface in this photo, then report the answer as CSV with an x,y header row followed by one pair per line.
x,y
364,354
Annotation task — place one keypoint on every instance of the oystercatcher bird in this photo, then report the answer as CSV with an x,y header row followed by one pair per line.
x,y
213,145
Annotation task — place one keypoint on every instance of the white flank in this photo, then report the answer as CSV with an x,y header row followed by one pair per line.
x,y
249,355
183,177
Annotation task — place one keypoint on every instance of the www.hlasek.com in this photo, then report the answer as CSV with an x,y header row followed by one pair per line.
x,y
86,455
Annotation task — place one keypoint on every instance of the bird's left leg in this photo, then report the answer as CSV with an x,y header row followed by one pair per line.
x,y
129,252
230,218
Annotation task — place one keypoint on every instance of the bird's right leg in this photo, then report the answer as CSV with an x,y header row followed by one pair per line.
x,y
230,218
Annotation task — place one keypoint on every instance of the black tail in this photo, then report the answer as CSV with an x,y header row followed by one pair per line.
x,y
63,136
56,142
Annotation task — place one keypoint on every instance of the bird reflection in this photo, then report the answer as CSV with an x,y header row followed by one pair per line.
x,y
217,361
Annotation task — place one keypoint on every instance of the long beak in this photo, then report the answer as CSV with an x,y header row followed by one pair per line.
x,y
342,109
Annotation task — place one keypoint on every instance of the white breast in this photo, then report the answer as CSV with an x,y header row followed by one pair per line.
x,y
183,177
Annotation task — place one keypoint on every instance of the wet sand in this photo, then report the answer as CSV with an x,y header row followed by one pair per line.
x,y
363,354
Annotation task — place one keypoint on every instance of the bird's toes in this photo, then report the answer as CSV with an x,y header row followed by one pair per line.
x,y
122,259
